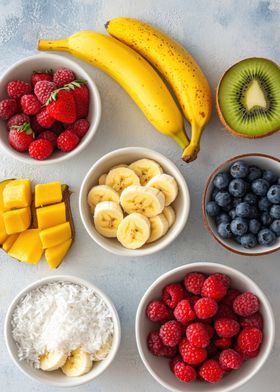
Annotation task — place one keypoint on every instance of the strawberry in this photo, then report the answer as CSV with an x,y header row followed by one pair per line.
x,y
8,107
80,93
61,106
38,76
18,88
20,137
63,76
40,149
30,104
44,119
43,90
67,141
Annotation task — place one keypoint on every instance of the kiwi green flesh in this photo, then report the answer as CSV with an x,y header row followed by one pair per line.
x,y
249,97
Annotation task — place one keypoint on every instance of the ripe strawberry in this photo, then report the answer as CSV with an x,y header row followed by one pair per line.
x,y
184,312
80,93
191,355
211,371
21,137
18,120
50,136
230,359
184,372
67,141
171,333
223,343
63,76
43,90
38,76
226,328
197,335
249,339
172,294
40,149
157,311
44,119
254,321
61,106
8,107
80,127
194,282
214,287
205,308
17,88
246,304
30,104
157,348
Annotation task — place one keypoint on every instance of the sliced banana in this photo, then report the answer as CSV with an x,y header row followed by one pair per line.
x,y
119,165
101,193
144,200
107,217
170,215
134,231
159,227
146,169
167,184
102,179
103,351
52,360
120,178
77,364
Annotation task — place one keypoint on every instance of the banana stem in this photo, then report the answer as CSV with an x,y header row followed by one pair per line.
x,y
55,45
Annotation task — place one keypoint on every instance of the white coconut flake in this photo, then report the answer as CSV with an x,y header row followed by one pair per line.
x,y
60,316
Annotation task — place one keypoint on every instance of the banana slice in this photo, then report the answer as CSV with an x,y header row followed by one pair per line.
x,y
103,351
102,179
120,178
101,193
119,165
167,185
159,227
77,364
169,214
52,360
134,230
146,169
107,217
144,200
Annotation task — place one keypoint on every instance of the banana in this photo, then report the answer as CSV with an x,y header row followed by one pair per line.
x,y
177,66
101,193
52,360
134,231
77,364
119,165
146,169
159,227
102,179
132,72
120,178
107,217
103,351
167,185
169,214
144,200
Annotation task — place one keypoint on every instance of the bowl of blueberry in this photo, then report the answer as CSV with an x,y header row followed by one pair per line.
x,y
241,204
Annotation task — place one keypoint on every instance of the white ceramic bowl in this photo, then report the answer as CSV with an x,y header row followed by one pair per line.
x,y
159,367
57,378
22,70
264,162
129,155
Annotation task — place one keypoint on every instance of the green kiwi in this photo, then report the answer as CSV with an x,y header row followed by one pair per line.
x,y
248,98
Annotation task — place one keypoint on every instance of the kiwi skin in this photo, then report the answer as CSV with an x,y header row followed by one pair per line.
x,y
220,114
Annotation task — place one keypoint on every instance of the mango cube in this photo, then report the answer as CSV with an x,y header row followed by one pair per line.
x,y
11,239
17,221
56,254
2,186
3,233
55,235
48,193
52,215
17,194
28,247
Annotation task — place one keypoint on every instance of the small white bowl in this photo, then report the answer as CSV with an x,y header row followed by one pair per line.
x,y
128,155
159,367
57,378
22,70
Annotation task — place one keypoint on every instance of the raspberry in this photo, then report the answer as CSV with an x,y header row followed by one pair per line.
x,y
43,90
205,308
222,343
36,127
184,312
192,355
211,371
8,107
67,141
44,119
230,297
210,330
17,120
157,311
171,333
193,299
173,362
63,76
226,327
17,88
157,348
214,287
30,104
40,149
254,321
172,294
38,76
249,339
80,127
184,372
230,359
225,311
224,278
194,282
246,304
197,335
248,354
50,136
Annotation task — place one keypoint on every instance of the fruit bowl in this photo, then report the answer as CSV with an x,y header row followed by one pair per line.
x,y
159,367
22,70
263,161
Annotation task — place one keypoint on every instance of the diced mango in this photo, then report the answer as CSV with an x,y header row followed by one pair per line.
x,y
55,235
11,239
52,215
2,186
17,194
28,247
3,233
48,193
56,254
17,220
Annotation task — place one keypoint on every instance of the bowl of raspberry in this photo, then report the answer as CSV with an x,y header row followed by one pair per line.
x,y
50,109
241,204
204,327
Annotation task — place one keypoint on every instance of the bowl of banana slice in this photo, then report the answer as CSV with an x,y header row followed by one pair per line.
x,y
134,201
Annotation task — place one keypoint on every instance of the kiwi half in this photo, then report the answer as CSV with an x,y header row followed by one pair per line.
x,y
248,98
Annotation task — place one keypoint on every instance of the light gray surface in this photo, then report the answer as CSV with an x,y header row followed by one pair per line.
x,y
218,33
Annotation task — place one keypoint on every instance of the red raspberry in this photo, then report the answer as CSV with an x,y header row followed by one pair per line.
x,y
224,278
18,88
230,297
173,362
50,136
171,333
172,294
21,137
157,311
80,127
211,371
17,120
209,329
192,355
36,127
184,372
30,104
205,308
194,282
43,90
156,346
246,304
214,287
8,107
184,312
226,327
254,321
230,359
193,299
249,339
197,335
223,343
225,311
67,141
63,76
248,354
38,76
40,149
44,119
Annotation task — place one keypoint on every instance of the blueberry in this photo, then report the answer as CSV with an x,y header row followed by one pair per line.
x,y
266,237
232,213
212,208
228,207
238,239
254,226
269,176
260,187
254,172
275,227
264,204
239,169
265,219
275,211
221,180
243,210
237,200
224,230
223,218
273,194
251,199
223,198
254,212
239,226
248,241
237,187
213,195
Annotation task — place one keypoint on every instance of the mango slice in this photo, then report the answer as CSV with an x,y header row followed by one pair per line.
x,y
2,186
16,221
28,247
11,239
56,254
52,215
17,194
48,193
3,233
55,235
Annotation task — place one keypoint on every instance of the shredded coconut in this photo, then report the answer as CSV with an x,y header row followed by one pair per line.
x,y
60,316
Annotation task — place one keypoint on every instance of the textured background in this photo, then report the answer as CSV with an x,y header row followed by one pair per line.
x,y
218,33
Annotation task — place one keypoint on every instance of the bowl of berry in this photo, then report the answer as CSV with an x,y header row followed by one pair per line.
x,y
204,327
241,204
49,109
